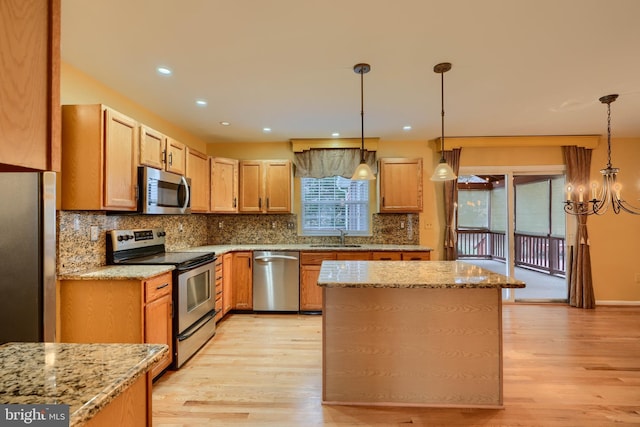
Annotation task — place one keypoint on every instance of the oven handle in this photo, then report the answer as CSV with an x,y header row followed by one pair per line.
x,y
195,328
186,199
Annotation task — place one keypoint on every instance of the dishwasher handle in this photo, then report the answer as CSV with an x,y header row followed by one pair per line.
x,y
269,258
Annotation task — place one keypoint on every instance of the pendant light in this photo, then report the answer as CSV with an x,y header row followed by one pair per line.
x,y
443,171
363,171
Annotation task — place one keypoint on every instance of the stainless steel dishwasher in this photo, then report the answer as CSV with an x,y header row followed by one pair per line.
x,y
276,284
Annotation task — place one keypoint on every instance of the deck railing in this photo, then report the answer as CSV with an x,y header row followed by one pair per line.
x,y
540,253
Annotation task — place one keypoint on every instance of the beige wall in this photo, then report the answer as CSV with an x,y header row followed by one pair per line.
x,y
615,239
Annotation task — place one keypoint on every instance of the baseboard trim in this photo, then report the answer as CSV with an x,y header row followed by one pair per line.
x,y
614,302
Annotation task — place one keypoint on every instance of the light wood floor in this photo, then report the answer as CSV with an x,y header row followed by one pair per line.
x,y
562,367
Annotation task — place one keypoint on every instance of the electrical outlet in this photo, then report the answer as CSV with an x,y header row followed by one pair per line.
x,y
428,226
180,228
220,224
401,225
291,225
95,231
273,225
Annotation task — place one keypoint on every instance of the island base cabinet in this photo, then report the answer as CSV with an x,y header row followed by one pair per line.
x,y
420,347
132,408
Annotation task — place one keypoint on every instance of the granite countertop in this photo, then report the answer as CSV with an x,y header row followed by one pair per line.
x,y
142,272
119,272
86,377
411,274
221,249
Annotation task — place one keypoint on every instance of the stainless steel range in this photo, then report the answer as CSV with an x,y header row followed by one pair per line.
x,y
193,284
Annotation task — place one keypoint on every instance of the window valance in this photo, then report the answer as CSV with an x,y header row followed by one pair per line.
x,y
322,163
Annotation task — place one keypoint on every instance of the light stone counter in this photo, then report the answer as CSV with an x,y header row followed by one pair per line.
x,y
417,333
221,249
119,272
87,377
411,274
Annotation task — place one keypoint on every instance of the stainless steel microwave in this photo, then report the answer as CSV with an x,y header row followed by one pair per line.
x,y
163,192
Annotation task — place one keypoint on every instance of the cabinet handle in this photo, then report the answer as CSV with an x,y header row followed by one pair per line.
x,y
164,156
170,159
249,262
385,259
162,286
267,203
382,200
235,203
260,202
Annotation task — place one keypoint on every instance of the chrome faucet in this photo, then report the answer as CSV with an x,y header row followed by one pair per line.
x,y
343,233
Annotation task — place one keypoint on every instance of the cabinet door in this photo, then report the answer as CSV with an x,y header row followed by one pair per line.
x,y
310,292
158,329
176,157
120,161
152,146
224,185
198,171
400,185
227,283
278,186
242,281
30,84
251,186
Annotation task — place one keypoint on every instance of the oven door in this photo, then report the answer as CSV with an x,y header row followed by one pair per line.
x,y
196,295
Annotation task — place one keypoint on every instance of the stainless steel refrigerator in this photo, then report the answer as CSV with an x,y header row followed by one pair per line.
x,y
27,256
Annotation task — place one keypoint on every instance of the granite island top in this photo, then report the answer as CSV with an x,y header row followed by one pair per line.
x,y
87,377
411,274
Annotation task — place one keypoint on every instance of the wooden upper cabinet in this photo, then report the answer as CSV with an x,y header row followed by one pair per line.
x,y
265,186
278,186
251,186
176,157
30,85
198,171
99,159
400,185
224,185
152,146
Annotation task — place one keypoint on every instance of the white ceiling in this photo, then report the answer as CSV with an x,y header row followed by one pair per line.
x,y
520,67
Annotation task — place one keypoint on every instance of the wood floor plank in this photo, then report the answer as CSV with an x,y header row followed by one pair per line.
x,y
562,367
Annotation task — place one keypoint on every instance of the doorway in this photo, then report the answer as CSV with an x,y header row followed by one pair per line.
x,y
512,222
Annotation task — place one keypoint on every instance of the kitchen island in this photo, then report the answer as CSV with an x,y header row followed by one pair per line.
x,y
409,333
103,384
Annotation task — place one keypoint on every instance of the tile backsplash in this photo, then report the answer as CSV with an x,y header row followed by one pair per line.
x,y
77,252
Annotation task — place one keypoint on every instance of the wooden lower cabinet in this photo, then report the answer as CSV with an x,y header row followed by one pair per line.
x,y
310,292
242,280
118,311
227,283
219,279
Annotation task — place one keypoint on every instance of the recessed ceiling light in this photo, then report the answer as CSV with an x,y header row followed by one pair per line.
x,y
335,134
164,71
266,130
201,102
225,123
407,127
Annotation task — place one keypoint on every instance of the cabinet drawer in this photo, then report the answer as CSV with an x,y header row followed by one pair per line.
x,y
353,256
386,256
316,258
416,256
157,286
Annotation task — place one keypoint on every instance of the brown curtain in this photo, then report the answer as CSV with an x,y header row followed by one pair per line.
x,y
450,205
578,161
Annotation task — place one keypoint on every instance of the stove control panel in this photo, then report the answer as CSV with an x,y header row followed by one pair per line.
x,y
120,240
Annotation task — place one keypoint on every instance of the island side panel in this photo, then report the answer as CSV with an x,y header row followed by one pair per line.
x,y
421,346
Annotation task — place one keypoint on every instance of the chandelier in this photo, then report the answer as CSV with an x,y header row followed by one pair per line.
x,y
610,193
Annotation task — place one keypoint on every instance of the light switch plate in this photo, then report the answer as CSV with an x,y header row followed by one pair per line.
x,y
95,230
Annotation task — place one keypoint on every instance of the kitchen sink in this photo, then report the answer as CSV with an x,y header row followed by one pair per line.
x,y
334,245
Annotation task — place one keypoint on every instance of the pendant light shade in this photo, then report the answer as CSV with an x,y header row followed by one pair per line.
x,y
363,171
443,171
